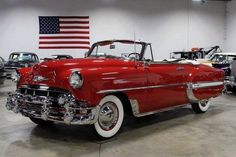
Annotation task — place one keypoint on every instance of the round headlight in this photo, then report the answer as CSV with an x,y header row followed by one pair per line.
x,y
76,80
15,77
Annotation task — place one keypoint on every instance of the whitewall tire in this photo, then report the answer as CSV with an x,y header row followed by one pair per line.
x,y
110,117
201,106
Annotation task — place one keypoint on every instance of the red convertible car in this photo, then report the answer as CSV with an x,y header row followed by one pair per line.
x,y
115,77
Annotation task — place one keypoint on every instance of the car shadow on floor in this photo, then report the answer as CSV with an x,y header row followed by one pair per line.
x,y
77,134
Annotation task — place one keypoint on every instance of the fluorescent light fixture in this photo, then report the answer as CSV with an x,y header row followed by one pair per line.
x,y
201,1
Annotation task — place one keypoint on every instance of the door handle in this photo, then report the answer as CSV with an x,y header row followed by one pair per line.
x,y
180,68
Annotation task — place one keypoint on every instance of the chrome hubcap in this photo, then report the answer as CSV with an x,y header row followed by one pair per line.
x,y
203,103
108,116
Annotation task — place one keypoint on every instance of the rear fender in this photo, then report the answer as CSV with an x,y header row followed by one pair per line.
x,y
204,83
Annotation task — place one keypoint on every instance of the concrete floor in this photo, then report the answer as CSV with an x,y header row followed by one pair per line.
x,y
178,133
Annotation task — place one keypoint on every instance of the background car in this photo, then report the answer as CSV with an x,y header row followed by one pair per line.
x,y
58,57
19,60
195,53
223,61
2,71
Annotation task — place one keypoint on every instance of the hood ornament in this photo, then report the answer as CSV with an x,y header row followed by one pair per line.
x,y
39,78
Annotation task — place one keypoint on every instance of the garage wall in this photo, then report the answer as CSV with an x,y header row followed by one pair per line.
x,y
231,25
171,25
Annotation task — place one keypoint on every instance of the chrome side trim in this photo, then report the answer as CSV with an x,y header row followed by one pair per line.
x,y
190,85
206,84
158,111
192,98
140,88
134,106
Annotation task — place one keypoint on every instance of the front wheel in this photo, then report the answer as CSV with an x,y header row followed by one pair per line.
x,y
201,106
41,122
110,117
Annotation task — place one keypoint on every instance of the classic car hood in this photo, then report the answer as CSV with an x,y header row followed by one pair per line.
x,y
65,67
57,72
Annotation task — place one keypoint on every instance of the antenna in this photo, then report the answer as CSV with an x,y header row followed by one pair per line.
x,y
135,50
134,42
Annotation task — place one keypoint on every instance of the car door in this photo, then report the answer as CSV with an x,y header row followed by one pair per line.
x,y
166,82
169,84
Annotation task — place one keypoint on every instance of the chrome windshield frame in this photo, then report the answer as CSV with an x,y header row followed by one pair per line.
x,y
144,46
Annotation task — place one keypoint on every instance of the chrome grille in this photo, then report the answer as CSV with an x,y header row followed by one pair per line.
x,y
42,91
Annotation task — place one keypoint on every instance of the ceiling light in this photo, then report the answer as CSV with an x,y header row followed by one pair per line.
x,y
201,1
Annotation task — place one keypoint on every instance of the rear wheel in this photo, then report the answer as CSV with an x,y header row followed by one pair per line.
x,y
110,117
201,106
41,122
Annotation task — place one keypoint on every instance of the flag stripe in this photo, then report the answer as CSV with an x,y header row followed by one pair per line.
x,y
61,20
74,27
61,25
74,17
64,42
61,40
74,32
74,22
64,47
64,37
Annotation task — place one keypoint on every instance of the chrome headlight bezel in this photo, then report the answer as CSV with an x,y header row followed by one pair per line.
x,y
76,80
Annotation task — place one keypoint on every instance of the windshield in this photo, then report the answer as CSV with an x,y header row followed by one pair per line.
x,y
222,58
22,57
117,49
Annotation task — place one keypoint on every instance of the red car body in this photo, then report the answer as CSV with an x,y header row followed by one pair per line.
x,y
146,86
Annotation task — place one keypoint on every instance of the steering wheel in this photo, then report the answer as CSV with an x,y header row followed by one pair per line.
x,y
135,57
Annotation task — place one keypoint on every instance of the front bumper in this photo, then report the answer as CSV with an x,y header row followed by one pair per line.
x,y
44,108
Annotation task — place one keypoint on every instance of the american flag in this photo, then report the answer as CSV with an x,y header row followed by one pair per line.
x,y
64,32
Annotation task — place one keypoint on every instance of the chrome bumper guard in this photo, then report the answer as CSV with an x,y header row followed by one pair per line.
x,y
68,112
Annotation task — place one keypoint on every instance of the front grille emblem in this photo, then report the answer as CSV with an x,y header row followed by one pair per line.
x,y
39,78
